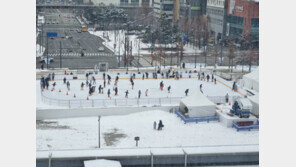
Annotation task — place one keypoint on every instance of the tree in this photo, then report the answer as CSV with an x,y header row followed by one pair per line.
x,y
231,54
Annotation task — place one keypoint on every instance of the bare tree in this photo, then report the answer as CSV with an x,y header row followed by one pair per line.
x,y
231,54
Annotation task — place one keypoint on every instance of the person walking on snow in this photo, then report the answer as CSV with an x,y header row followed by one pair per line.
x,y
126,94
169,89
146,92
82,85
139,94
160,125
186,92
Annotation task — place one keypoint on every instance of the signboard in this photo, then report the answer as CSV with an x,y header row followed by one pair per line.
x,y
195,8
216,3
51,34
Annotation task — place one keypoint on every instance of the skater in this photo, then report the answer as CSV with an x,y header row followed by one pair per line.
x,y
109,79
154,125
104,83
143,76
65,80
133,84
82,85
167,75
169,89
161,85
208,77
42,66
87,83
139,94
215,81
100,88
116,91
226,98
200,88
117,78
234,86
108,93
198,76
94,80
104,76
126,94
146,92
53,75
186,92
134,76
147,75
183,65
160,125
54,84
86,75
212,77
68,85
162,75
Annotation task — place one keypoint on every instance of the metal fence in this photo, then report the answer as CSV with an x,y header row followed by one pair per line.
x,y
99,103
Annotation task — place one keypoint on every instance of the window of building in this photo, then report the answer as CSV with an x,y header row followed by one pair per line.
x,y
255,22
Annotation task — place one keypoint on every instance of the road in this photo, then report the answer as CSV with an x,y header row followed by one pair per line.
x,y
71,42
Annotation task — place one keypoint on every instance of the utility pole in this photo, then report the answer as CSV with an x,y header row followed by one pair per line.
x,y
60,54
139,53
99,131
47,52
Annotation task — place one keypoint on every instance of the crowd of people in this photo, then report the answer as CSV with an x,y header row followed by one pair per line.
x,y
90,82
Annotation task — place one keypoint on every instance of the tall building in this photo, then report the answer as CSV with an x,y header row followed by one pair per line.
x,y
196,7
243,18
216,13
165,6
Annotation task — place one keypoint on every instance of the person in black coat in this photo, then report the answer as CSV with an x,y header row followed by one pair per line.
x,y
82,85
169,89
186,92
160,125
139,94
126,94
108,93
116,91
65,80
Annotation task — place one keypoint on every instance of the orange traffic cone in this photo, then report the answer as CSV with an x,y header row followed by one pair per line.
x,y
60,90
87,98
67,93
74,95
229,103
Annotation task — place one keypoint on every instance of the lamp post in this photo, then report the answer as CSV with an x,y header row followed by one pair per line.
x,y
99,131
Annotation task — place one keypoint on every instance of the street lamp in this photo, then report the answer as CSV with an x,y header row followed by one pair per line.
x,y
99,131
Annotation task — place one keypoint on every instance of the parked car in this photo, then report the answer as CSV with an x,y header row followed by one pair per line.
x,y
44,60
101,49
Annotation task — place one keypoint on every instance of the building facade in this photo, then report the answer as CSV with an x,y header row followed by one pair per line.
x,y
243,18
165,6
123,2
216,13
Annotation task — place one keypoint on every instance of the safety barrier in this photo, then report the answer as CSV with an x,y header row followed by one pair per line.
x,y
196,119
248,127
80,103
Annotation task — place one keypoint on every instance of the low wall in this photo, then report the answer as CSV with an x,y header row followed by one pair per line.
x,y
42,114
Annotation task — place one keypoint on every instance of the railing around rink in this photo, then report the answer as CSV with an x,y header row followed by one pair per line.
x,y
99,103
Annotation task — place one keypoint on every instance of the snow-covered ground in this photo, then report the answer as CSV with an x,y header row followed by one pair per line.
x,y
82,133
117,37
